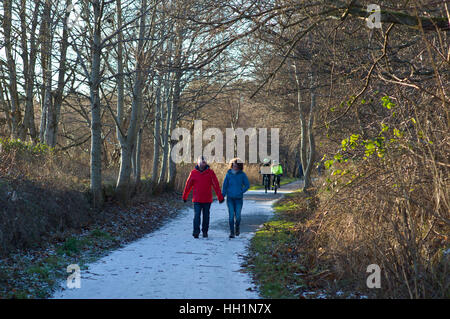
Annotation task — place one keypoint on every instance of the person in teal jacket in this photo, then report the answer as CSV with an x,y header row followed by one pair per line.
x,y
234,186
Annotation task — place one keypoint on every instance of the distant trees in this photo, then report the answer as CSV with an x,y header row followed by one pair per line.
x,y
372,102
140,56
145,66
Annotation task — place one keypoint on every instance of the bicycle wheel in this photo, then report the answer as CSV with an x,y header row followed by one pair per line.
x,y
266,184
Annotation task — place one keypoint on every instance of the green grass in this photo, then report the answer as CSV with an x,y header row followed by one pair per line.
x,y
45,273
285,207
273,257
283,181
73,246
41,271
271,261
101,234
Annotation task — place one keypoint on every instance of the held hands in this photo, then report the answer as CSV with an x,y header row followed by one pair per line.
x,y
221,201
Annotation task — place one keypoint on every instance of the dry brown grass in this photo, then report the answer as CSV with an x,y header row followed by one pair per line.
x,y
391,217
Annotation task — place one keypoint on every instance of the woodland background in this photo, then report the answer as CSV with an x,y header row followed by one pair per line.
x,y
90,92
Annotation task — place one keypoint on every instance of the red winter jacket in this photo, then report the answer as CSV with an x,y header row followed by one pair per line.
x,y
201,182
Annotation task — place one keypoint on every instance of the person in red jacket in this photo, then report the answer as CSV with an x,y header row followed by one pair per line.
x,y
200,180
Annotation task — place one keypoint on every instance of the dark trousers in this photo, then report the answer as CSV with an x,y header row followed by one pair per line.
x,y
200,208
276,179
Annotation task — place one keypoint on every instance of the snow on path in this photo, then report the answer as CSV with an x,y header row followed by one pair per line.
x,y
171,263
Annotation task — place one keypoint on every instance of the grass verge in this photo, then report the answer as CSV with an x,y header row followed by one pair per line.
x,y
278,260
271,261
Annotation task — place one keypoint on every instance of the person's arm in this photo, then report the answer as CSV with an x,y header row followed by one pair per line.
x,y
225,186
216,186
188,187
246,183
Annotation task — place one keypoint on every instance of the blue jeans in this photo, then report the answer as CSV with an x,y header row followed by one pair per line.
x,y
234,210
198,209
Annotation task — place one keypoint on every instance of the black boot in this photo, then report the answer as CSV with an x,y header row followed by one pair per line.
x,y
237,230
231,235
205,234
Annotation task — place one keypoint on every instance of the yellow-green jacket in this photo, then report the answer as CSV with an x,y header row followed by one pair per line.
x,y
277,169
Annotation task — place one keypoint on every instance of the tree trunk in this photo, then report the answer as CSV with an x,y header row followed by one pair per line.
x,y
163,172
137,159
312,145
128,143
175,105
16,115
307,155
302,120
5,105
46,98
29,66
53,116
120,82
156,130
173,124
123,182
172,164
96,125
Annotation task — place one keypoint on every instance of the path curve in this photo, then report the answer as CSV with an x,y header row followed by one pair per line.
x,y
170,263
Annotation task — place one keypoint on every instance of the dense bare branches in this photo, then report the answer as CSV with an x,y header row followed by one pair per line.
x,y
370,102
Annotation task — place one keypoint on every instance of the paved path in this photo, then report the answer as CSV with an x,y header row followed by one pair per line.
x,y
170,263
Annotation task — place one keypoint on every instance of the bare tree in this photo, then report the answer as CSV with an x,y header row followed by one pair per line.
x,y
128,142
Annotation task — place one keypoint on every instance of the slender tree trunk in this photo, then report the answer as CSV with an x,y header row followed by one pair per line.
x,y
96,125
311,140
49,137
128,143
137,159
307,154
168,99
156,130
5,104
173,124
53,116
29,66
175,104
302,120
296,170
120,82
43,122
46,98
125,151
16,115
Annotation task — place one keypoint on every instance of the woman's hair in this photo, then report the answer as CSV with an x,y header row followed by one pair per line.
x,y
239,163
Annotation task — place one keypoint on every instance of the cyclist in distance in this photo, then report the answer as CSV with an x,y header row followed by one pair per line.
x,y
277,172
263,168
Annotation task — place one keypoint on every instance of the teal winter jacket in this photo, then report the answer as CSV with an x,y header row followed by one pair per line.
x,y
235,185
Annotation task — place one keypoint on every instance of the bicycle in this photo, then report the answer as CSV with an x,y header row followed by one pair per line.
x,y
276,182
266,172
266,182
